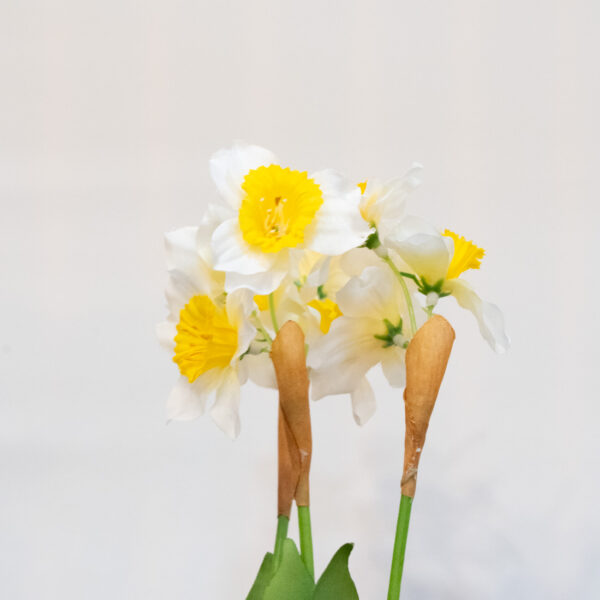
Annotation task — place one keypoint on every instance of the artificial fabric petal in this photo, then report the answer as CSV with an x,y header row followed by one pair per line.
x,y
338,226
229,166
393,366
187,400
225,410
363,402
232,253
489,317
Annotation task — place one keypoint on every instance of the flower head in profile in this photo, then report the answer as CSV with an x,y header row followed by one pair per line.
x,y
274,212
372,330
210,333
383,204
438,261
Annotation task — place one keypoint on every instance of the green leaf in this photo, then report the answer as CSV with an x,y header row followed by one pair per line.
x,y
265,574
336,583
291,580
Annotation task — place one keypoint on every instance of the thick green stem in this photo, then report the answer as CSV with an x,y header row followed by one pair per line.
x,y
409,304
272,310
399,548
283,523
306,545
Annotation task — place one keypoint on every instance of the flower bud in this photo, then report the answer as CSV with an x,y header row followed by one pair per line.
x,y
426,359
295,438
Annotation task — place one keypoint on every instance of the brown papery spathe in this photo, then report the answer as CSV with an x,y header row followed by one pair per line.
x,y
295,438
426,359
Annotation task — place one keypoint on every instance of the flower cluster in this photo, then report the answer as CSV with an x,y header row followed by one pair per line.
x,y
342,259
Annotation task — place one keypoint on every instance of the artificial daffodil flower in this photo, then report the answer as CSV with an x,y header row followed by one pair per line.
x,y
275,211
211,334
438,261
371,330
383,204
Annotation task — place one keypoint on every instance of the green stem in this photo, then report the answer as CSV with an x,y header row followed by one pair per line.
x,y
399,548
260,328
272,310
306,545
409,304
283,523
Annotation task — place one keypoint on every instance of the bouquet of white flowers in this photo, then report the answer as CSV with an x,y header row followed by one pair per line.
x,y
354,282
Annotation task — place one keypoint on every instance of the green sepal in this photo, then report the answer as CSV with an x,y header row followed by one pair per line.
x,y
372,241
426,287
336,582
392,332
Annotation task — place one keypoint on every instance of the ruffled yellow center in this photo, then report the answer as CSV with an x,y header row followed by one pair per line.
x,y
205,338
328,310
278,206
466,255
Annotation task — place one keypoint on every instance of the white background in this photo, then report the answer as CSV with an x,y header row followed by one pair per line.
x,y
109,112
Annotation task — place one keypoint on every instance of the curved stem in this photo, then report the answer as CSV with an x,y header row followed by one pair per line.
x,y
283,523
409,304
306,545
272,311
399,547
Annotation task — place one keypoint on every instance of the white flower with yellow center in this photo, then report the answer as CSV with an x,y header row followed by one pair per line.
x,y
208,331
372,330
438,261
383,205
275,211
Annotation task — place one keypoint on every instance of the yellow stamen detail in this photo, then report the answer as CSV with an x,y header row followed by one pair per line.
x,y
278,206
205,338
363,187
466,255
329,311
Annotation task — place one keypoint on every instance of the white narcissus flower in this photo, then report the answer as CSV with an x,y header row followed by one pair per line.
x,y
274,210
383,205
208,331
438,260
372,330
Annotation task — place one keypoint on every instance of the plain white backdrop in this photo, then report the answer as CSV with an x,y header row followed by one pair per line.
x,y
109,112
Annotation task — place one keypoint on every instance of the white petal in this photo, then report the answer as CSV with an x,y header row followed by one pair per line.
x,y
225,410
259,369
369,294
215,215
489,317
357,260
166,332
392,202
363,402
229,166
342,357
412,225
179,290
240,305
187,401
338,225
259,283
232,253
427,255
393,366
180,247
